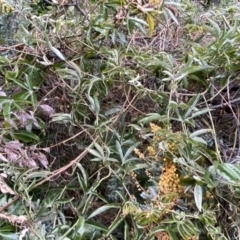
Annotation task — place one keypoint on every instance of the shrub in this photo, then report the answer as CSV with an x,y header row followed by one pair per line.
x,y
118,121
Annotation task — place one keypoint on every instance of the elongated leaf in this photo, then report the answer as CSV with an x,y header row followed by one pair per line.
x,y
82,183
80,225
25,136
113,110
9,236
95,153
158,229
229,172
200,132
150,22
76,67
114,225
119,149
189,228
96,225
181,231
172,234
99,148
130,150
198,194
130,26
103,209
61,117
217,32
57,52
192,105
138,20
198,113
150,117
126,231
172,16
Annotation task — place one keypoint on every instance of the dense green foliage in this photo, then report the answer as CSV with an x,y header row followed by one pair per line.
x,y
120,120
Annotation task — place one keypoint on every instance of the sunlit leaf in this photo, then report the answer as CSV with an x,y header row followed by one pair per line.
x,y
150,21
103,209
198,195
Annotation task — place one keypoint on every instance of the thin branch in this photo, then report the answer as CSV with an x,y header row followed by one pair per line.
x,y
225,104
63,169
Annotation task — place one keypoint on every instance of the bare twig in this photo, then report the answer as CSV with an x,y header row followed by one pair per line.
x,y
63,169
16,198
225,104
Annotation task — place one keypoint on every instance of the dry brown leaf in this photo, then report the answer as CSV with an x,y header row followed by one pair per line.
x,y
26,120
15,220
26,160
46,110
4,188
41,158
12,124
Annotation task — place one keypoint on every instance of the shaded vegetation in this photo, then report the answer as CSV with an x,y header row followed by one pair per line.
x,y
120,120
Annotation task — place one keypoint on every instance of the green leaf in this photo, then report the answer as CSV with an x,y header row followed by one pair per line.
x,y
103,209
57,52
217,31
172,16
198,194
126,231
95,153
114,225
191,105
130,26
150,117
229,172
83,171
37,174
171,233
80,225
99,148
198,113
120,152
113,110
96,225
9,236
82,183
130,150
200,132
156,230
61,118
25,136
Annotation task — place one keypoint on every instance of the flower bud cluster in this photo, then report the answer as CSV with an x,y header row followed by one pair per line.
x,y
172,147
133,176
151,151
154,127
169,179
5,8
138,153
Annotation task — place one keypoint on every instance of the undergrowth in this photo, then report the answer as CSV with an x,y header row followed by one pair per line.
x,y
120,120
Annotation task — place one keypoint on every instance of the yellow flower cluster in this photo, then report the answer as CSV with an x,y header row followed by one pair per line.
x,y
151,151
138,153
172,147
169,180
5,8
133,175
209,195
154,127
